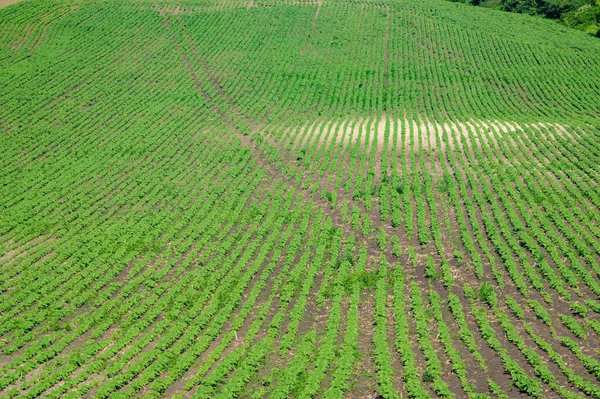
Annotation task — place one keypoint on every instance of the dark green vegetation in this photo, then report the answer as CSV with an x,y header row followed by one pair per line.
x,y
297,199
578,14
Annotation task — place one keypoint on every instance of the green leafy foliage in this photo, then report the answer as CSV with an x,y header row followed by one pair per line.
x,y
274,199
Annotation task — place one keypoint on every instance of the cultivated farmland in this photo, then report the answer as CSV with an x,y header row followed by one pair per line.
x,y
297,199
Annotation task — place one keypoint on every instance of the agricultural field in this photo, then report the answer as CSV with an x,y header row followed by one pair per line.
x,y
297,199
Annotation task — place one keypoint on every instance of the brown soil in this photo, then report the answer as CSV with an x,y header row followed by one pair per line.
x,y
6,3
364,383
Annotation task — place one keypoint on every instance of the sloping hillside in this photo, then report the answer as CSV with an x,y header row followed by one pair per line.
x,y
297,199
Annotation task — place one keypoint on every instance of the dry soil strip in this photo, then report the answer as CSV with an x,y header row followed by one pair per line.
x,y
387,48
312,28
6,3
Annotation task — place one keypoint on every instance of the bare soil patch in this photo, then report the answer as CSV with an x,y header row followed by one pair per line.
x,y
425,132
6,3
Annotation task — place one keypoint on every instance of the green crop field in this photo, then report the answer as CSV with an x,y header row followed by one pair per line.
x,y
297,199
